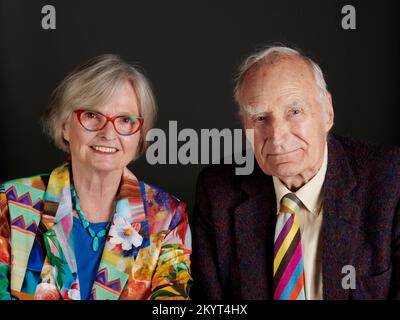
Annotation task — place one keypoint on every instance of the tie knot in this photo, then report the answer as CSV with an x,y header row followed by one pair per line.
x,y
290,203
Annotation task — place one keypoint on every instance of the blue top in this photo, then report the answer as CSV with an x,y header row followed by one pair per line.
x,y
87,260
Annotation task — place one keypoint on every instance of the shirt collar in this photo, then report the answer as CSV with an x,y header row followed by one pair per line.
x,y
309,194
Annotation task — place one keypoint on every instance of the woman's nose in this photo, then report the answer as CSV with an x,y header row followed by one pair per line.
x,y
108,131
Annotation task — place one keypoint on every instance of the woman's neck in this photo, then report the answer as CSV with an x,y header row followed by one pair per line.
x,y
96,191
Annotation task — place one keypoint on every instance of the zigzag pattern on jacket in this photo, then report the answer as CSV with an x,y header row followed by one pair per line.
x,y
114,286
25,199
19,223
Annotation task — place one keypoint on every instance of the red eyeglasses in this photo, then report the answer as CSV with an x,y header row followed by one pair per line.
x,y
125,125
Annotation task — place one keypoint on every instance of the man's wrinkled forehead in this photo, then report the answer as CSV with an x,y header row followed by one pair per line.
x,y
251,110
262,67
281,78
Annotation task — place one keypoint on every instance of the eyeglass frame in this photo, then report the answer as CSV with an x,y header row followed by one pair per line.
x,y
108,119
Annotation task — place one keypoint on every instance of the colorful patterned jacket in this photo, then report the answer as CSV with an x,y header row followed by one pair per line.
x,y
37,259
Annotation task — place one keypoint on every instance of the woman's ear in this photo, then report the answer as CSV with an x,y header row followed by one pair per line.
x,y
66,130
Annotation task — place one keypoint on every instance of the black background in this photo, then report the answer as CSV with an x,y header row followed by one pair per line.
x,y
190,51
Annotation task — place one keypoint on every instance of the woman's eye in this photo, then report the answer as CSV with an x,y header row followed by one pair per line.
x,y
90,115
128,120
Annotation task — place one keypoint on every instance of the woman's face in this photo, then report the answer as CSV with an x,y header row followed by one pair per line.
x,y
105,150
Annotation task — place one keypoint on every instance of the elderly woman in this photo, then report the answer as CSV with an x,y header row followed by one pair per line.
x,y
89,229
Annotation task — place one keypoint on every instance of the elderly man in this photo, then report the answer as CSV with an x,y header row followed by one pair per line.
x,y
319,216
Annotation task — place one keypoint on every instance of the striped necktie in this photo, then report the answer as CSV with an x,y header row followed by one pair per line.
x,y
288,258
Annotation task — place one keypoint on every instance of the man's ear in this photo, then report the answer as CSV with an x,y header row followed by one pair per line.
x,y
329,114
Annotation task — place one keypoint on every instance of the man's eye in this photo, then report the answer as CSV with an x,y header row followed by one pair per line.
x,y
296,111
260,118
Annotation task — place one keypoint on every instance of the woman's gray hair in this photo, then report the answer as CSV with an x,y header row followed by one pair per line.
x,y
271,54
93,83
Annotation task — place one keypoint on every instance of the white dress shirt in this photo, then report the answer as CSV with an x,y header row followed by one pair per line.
x,y
310,220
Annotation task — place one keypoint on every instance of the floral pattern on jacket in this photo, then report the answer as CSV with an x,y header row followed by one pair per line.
x,y
146,256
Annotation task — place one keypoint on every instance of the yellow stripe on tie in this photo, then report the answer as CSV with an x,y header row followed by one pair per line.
x,y
293,206
285,245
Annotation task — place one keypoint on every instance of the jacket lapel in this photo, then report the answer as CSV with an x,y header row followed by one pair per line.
x,y
341,215
255,218
58,238
128,234
56,224
254,225
25,205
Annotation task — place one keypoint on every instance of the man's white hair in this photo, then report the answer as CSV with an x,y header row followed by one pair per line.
x,y
271,54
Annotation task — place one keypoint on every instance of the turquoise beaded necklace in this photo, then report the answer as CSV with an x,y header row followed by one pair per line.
x,y
95,236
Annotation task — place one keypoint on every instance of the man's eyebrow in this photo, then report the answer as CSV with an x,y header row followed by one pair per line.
x,y
252,110
294,103
298,103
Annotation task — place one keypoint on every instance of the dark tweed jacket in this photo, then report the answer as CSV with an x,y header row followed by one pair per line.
x,y
234,223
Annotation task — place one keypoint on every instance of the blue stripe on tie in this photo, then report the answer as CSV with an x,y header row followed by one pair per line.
x,y
280,223
293,280
301,295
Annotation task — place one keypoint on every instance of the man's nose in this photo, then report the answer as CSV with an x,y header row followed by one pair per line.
x,y
278,130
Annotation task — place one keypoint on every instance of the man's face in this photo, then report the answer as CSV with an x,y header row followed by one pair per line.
x,y
281,104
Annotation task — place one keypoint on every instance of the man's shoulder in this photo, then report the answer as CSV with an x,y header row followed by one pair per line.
x,y
220,176
368,159
366,152
367,149
222,183
219,170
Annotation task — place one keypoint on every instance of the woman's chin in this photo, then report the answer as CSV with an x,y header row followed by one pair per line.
x,y
105,166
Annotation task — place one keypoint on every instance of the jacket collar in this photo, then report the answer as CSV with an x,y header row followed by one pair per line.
x,y
340,220
255,218
254,225
58,220
24,197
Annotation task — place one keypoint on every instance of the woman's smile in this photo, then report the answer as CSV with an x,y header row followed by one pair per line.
x,y
104,150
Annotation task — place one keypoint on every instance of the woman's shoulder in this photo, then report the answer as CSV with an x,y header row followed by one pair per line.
x,y
164,211
26,184
159,199
156,194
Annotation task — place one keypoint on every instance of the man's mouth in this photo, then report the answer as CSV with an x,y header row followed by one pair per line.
x,y
104,149
281,153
